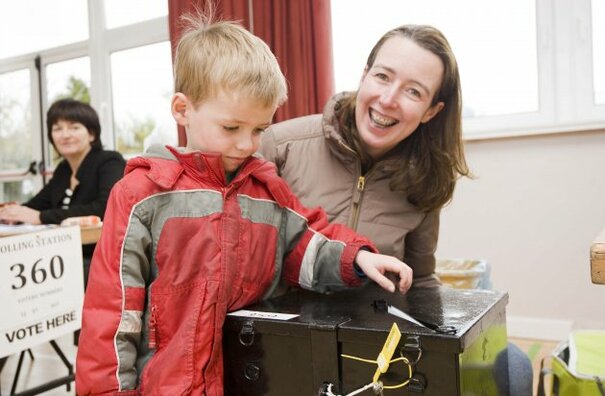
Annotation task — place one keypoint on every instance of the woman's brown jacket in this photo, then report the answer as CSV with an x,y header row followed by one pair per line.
x,y
322,170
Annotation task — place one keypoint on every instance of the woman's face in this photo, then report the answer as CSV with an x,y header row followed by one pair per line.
x,y
70,138
395,94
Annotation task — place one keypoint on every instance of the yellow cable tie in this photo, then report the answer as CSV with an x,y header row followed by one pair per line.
x,y
358,358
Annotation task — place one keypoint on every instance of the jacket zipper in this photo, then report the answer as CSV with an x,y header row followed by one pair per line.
x,y
152,328
359,189
361,184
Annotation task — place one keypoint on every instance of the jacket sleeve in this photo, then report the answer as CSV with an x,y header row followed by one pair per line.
x,y
114,302
318,255
42,200
420,246
109,170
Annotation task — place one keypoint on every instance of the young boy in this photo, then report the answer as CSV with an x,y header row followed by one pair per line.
x,y
193,233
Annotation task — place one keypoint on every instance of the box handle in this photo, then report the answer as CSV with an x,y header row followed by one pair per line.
x,y
410,346
246,334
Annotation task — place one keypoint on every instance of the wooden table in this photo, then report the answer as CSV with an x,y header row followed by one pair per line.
x,y
88,235
597,259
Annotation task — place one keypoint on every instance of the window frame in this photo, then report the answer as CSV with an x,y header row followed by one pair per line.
x,y
100,45
17,64
566,101
565,78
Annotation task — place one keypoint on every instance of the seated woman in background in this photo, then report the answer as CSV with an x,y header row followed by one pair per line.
x,y
82,181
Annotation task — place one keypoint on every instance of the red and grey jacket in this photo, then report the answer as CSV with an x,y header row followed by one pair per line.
x,y
180,248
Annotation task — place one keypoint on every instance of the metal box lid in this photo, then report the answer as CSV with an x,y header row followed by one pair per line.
x,y
354,314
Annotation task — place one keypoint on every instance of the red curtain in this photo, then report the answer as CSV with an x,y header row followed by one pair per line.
x,y
298,33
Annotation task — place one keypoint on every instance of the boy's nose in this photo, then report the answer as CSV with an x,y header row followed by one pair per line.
x,y
246,143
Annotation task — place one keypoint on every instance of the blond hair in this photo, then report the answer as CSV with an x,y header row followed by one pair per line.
x,y
215,56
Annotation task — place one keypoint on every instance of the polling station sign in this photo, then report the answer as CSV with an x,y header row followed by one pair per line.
x,y
41,287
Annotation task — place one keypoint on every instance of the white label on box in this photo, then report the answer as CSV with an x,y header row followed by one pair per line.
x,y
41,287
263,315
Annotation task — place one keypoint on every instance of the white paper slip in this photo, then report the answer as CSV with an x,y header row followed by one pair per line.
x,y
263,315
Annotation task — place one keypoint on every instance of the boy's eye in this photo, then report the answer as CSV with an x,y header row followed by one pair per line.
x,y
230,128
381,76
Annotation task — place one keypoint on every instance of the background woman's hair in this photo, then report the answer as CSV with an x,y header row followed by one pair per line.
x,y
75,111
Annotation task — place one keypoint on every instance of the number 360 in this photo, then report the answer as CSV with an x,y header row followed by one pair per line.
x,y
38,273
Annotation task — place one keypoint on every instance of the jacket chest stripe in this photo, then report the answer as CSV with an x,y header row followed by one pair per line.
x,y
260,211
148,219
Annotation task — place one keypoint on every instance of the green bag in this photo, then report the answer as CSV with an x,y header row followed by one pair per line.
x,y
577,366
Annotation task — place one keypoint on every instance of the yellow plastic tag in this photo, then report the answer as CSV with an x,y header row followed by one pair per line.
x,y
384,358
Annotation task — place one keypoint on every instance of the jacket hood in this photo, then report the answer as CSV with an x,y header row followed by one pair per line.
x,y
329,121
161,164
165,164
332,132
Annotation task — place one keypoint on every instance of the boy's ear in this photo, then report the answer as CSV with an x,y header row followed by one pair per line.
x,y
179,108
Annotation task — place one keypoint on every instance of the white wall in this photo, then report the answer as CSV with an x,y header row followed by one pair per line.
x,y
532,212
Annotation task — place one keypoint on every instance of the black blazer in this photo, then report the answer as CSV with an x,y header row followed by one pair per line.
x,y
97,174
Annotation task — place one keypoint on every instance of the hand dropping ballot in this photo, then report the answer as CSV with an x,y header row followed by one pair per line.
x,y
41,287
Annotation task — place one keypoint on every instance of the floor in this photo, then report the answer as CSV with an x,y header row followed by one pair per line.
x,y
47,365
536,350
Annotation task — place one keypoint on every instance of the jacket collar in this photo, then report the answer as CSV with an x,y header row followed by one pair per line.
x,y
331,129
199,165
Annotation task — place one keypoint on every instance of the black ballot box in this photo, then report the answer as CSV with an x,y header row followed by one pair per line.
x,y
460,352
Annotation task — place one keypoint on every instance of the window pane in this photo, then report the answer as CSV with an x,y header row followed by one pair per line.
x,y
16,132
598,50
68,79
481,37
33,25
16,128
121,12
142,89
17,191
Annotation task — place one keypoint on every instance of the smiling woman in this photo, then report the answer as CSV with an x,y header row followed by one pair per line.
x,y
386,157
87,171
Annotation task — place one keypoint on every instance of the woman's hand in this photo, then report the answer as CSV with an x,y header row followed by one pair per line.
x,y
376,265
16,213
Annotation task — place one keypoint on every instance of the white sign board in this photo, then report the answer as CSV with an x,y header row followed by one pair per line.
x,y
41,287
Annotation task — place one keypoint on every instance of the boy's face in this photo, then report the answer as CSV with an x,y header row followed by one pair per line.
x,y
227,124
